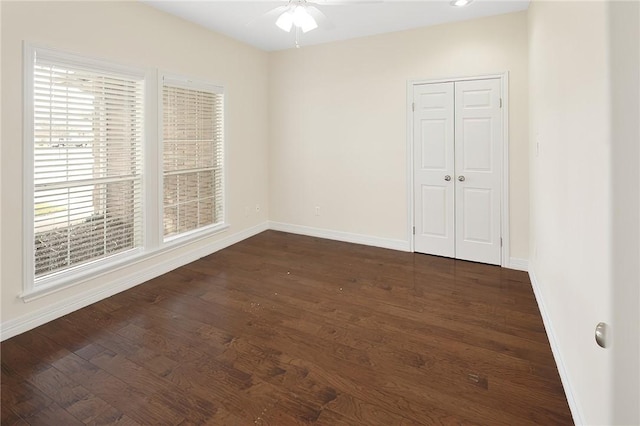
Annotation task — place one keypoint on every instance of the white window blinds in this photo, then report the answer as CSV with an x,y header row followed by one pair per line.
x,y
193,133
88,126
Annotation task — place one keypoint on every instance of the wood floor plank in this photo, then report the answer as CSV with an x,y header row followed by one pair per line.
x,y
52,414
283,329
10,417
20,397
138,405
75,399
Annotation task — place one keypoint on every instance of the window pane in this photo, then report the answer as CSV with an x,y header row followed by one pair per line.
x,y
87,164
192,159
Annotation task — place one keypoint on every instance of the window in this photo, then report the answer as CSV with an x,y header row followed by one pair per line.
x,y
192,156
87,124
98,196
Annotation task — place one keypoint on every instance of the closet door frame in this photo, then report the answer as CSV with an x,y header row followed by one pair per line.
x,y
504,189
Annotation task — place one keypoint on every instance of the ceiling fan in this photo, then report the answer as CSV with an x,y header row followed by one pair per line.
x,y
299,14
303,15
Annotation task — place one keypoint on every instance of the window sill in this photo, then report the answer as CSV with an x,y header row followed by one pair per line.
x,y
128,259
195,235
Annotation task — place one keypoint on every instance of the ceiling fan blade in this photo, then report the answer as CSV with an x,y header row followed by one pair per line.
x,y
321,18
270,15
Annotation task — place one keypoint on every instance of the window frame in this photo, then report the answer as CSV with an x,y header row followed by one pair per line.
x,y
153,242
180,80
71,274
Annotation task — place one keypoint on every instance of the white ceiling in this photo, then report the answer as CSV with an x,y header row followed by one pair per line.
x,y
350,20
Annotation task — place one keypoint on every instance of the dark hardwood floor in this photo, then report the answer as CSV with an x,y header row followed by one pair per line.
x,y
283,329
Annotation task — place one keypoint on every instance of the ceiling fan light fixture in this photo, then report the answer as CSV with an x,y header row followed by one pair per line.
x,y
298,16
285,21
303,20
460,3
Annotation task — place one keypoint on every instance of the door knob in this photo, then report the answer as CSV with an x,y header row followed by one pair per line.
x,y
461,178
447,178
601,335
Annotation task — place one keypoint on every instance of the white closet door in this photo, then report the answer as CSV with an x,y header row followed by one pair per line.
x,y
433,133
478,170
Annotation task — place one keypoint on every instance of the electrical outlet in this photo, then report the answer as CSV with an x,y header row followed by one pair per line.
x,y
317,210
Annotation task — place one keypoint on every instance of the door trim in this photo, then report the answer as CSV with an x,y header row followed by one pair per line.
x,y
504,199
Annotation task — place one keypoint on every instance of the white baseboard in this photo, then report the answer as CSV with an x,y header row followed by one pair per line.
x,y
34,319
346,237
576,411
518,264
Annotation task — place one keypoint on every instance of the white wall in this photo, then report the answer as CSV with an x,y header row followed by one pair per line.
x,y
338,123
624,43
583,73
133,34
1,108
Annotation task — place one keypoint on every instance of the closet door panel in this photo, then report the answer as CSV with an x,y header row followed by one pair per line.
x,y
478,170
433,134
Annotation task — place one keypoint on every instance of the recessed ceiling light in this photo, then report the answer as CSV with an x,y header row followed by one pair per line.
x,y
460,3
